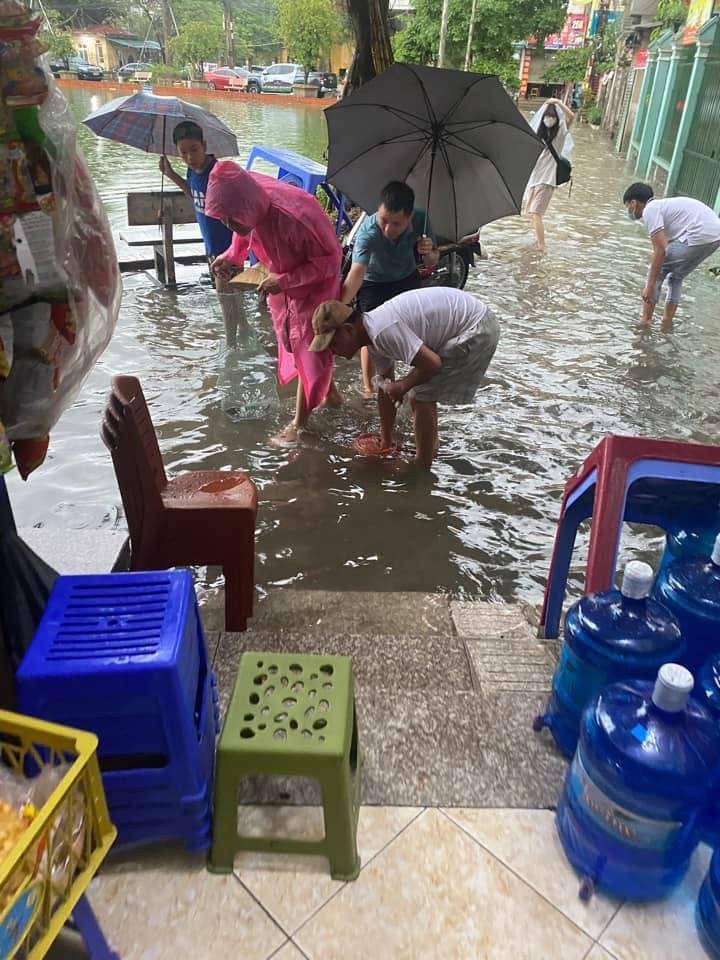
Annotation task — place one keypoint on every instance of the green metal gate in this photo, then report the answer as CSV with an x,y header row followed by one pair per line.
x,y
675,108
700,169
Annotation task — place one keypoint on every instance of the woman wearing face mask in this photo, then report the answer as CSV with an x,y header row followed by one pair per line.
x,y
551,123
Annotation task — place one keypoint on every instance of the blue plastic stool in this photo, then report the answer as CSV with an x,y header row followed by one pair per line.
x,y
84,921
304,173
625,479
124,655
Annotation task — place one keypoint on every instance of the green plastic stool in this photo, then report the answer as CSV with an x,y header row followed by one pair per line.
x,y
291,715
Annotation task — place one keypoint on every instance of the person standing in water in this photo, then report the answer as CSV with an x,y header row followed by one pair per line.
x,y
551,123
191,147
683,232
289,233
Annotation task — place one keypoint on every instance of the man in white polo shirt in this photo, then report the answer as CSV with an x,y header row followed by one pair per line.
x,y
448,338
684,232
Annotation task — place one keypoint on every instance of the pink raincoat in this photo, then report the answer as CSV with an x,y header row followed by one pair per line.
x,y
294,239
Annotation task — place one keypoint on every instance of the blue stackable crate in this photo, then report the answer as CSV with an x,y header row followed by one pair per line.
x,y
124,655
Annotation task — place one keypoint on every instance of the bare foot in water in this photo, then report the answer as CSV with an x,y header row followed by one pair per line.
x,y
334,397
287,437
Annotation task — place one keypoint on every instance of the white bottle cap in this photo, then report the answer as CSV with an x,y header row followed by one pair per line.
x,y
672,688
716,551
637,580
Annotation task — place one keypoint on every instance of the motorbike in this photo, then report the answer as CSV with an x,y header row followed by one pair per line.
x,y
451,270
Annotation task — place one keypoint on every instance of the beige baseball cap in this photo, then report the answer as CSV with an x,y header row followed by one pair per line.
x,y
326,320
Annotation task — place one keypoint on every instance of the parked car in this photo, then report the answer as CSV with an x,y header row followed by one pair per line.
x,y
329,79
278,78
317,78
128,71
225,78
254,79
84,70
81,68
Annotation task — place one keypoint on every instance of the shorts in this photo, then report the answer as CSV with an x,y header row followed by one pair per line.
x,y
465,362
537,199
373,295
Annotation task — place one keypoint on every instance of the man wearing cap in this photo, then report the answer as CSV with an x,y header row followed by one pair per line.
x,y
446,336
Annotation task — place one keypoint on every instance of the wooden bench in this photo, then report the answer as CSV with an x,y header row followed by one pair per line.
x,y
142,76
164,210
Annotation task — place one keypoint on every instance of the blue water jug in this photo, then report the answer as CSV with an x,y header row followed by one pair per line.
x,y
609,636
691,538
629,816
691,590
707,691
707,913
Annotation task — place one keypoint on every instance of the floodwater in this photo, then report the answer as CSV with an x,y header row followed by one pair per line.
x,y
570,367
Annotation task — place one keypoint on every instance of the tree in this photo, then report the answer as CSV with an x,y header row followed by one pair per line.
x,y
197,42
373,49
307,28
568,66
77,15
498,24
55,38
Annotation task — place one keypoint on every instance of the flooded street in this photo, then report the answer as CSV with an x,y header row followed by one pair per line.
x,y
570,367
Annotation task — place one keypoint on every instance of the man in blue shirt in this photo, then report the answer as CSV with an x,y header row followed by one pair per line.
x,y
385,256
191,147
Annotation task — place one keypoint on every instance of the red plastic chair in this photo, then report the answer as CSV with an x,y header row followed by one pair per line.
x,y
625,478
203,517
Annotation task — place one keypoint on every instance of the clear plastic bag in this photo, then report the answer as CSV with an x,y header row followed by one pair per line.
x,y
59,274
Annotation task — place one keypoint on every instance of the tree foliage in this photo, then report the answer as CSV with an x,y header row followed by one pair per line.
x,y
307,28
55,38
568,66
76,15
197,42
499,23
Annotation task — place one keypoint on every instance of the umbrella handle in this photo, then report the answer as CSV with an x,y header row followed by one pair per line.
x,y
427,205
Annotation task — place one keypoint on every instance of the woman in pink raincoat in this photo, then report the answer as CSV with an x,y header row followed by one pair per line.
x,y
288,232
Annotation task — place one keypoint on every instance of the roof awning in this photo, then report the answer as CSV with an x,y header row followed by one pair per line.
x,y
135,44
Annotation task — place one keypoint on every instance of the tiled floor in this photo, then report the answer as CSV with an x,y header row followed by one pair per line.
x,y
435,883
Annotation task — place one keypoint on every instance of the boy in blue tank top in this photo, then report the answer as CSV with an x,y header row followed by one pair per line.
x,y
192,149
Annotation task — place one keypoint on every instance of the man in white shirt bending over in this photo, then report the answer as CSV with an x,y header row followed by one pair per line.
x,y
446,336
684,232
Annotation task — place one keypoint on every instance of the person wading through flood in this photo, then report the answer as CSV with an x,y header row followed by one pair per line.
x,y
192,149
550,123
288,232
683,231
447,336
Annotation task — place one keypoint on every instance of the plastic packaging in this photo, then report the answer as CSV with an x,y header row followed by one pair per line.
x,y
629,816
691,590
609,636
707,913
59,275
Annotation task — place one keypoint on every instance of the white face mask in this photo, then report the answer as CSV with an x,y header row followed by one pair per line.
x,y
549,121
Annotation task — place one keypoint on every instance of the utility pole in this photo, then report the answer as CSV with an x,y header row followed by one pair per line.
x,y
471,28
443,32
229,31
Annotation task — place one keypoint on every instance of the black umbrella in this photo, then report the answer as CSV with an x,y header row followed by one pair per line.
x,y
457,138
25,584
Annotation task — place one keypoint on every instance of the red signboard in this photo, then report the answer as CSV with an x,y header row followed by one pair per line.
x,y
572,34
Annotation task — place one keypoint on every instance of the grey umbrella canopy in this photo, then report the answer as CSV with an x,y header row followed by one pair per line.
x,y
457,138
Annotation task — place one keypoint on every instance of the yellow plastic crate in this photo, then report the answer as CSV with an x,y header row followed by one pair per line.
x,y
52,863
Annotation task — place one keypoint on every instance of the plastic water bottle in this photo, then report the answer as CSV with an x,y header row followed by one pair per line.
x,y
691,538
609,636
630,811
707,913
707,692
691,590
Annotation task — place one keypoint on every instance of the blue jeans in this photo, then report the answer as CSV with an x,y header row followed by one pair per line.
x,y
680,260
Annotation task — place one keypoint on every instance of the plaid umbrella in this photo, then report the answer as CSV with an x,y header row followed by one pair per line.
x,y
147,122
457,138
